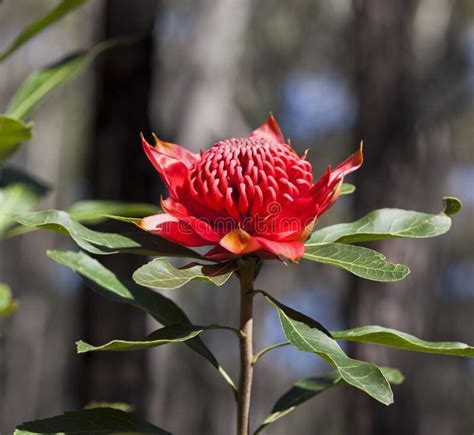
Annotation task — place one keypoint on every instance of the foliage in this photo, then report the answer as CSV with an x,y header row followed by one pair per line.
x,y
302,332
96,420
7,304
335,245
63,8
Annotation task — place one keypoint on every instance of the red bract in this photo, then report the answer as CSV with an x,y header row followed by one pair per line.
x,y
251,194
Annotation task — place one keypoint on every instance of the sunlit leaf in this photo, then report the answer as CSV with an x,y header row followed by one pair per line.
x,y
63,8
305,389
401,340
166,335
12,132
115,405
163,309
347,189
389,223
307,338
161,274
18,192
360,261
40,83
90,421
96,211
132,242
7,304
296,315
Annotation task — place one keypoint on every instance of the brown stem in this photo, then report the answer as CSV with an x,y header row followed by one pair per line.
x,y
247,274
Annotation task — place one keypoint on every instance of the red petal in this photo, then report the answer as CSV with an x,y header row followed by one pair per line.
x,y
323,194
172,150
239,241
173,172
292,221
172,229
269,130
330,199
349,165
199,226
291,250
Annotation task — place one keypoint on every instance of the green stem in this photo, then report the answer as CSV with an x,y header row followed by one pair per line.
x,y
258,355
247,269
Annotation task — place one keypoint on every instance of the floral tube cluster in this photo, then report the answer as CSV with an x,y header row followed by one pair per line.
x,y
243,195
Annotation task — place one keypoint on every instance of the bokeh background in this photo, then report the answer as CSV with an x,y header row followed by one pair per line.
x,y
397,74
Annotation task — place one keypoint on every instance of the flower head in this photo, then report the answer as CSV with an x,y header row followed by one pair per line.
x,y
251,194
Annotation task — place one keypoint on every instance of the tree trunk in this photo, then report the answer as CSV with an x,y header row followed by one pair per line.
x,y
118,170
401,170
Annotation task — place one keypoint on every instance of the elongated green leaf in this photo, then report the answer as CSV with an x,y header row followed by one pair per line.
x,y
161,274
121,406
90,421
18,192
40,83
166,335
401,340
104,282
360,261
96,242
389,223
13,131
307,338
7,304
347,189
94,211
305,389
63,8
296,315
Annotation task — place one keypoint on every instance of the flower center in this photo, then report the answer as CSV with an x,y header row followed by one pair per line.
x,y
249,177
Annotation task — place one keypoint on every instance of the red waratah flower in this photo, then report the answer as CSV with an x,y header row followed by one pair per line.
x,y
249,194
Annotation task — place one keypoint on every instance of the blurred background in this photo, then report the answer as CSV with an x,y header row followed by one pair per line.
x,y
397,74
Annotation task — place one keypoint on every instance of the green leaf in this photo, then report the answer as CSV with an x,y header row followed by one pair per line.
x,y
360,261
401,340
96,242
394,376
305,389
300,392
166,335
389,223
115,405
451,205
94,211
296,315
177,333
104,282
307,338
7,304
347,189
12,132
161,274
63,8
18,192
40,83
90,421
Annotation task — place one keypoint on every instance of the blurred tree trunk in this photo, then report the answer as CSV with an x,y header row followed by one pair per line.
x,y
119,171
401,170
